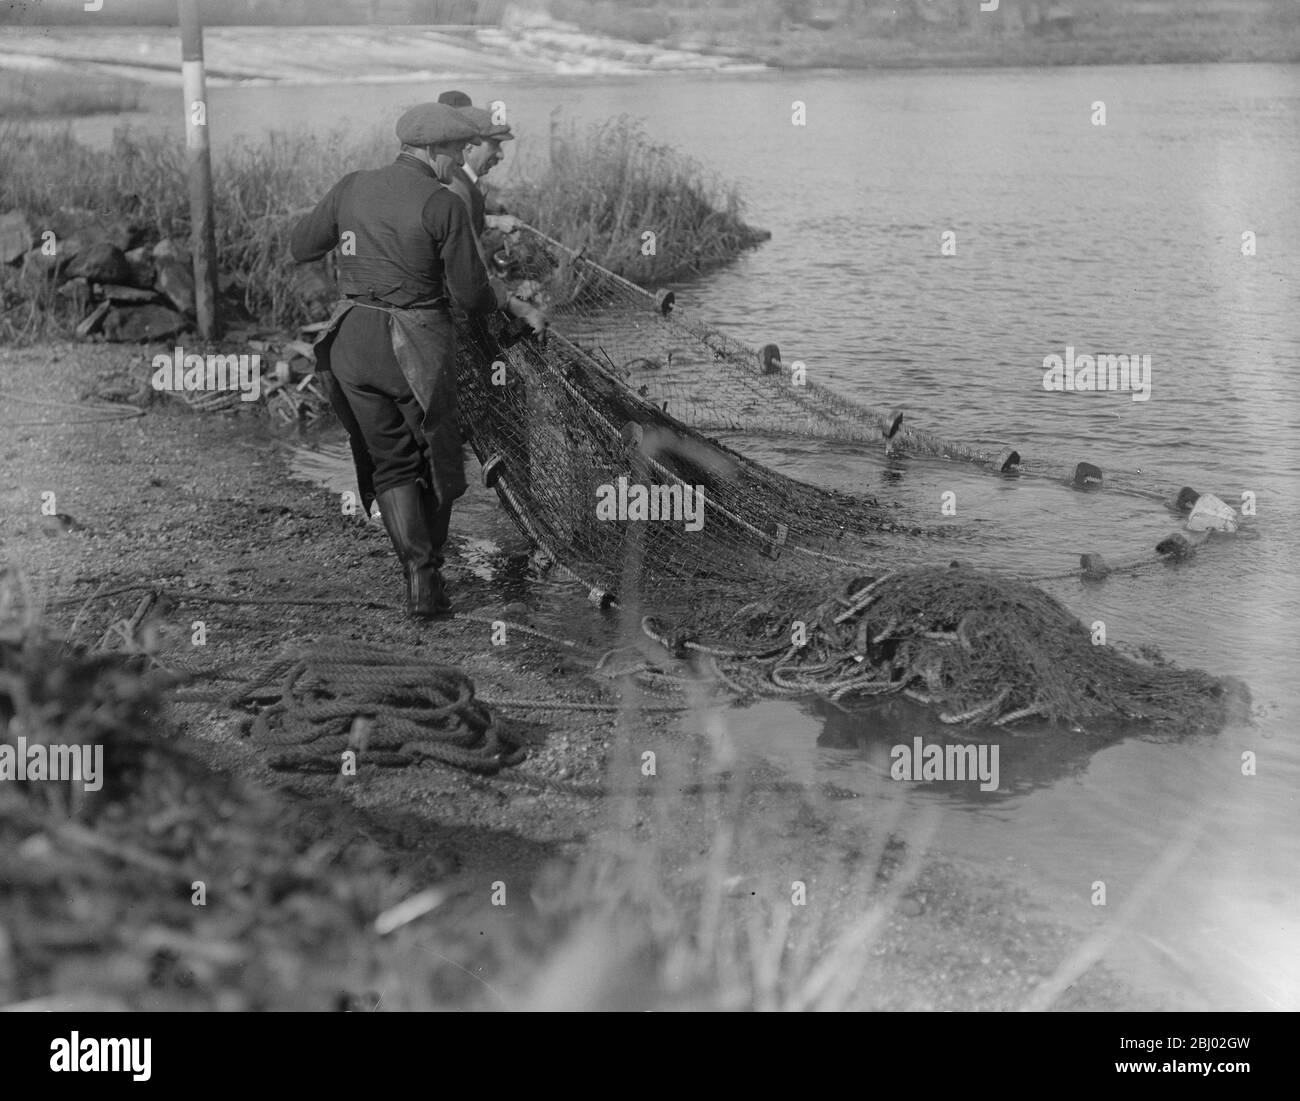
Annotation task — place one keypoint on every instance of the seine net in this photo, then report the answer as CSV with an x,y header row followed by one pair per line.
x,y
596,443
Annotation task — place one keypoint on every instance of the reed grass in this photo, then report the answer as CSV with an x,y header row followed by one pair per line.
x,y
606,186
602,189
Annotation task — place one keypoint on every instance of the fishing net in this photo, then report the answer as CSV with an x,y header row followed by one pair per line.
x,y
596,442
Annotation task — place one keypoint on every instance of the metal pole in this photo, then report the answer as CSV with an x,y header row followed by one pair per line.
x,y
199,163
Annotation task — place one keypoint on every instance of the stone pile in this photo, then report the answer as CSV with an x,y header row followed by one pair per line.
x,y
123,287
125,281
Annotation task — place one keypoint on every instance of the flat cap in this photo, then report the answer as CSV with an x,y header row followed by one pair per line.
x,y
434,123
487,129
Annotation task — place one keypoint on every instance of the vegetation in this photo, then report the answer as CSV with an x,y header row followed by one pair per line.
x,y
601,191
607,185
913,33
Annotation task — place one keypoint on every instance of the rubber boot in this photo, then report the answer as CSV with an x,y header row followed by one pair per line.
x,y
406,517
439,521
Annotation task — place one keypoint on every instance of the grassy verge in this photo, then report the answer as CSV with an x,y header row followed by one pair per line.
x,y
910,33
602,191
609,185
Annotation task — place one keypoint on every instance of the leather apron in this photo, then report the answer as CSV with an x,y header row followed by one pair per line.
x,y
426,353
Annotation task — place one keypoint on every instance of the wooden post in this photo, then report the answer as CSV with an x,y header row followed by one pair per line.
x,y
199,164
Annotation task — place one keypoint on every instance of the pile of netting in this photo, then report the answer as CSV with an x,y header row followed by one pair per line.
x,y
978,648
595,441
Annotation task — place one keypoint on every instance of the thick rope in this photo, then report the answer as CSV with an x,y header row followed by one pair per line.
x,y
339,696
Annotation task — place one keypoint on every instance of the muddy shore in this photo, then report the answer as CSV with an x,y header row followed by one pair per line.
x,y
205,504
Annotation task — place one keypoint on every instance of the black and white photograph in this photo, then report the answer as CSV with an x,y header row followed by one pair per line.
x,y
659,506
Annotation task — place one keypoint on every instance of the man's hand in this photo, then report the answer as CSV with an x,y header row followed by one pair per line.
x,y
528,290
535,319
506,223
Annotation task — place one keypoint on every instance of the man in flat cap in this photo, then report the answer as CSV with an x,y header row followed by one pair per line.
x,y
387,359
467,181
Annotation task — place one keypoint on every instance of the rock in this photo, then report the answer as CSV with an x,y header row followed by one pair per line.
x,y
77,231
91,323
143,271
139,323
176,281
101,263
93,228
16,236
173,248
116,293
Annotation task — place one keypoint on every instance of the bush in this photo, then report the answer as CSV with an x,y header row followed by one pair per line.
x,y
606,186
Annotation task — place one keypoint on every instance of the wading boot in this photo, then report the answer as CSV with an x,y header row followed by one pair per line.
x,y
439,522
406,517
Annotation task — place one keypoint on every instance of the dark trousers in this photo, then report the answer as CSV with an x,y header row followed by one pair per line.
x,y
386,412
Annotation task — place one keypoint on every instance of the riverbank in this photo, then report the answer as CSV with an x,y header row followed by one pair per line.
x,y
66,70
801,34
354,54
665,898
111,212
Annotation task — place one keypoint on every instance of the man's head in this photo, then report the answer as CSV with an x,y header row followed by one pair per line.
x,y
440,133
454,99
483,157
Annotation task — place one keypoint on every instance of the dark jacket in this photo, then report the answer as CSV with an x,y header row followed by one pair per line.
x,y
471,196
414,243
412,247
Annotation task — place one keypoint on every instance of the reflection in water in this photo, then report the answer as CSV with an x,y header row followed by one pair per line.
x,y
1029,756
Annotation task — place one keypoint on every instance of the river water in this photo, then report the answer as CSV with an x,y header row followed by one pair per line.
x,y
1124,237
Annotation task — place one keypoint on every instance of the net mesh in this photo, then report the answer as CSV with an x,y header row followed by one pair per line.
x,y
597,444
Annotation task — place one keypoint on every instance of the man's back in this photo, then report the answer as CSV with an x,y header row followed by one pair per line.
x,y
410,243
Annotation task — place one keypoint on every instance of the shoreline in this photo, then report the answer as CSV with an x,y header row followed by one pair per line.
x,y
196,502
262,56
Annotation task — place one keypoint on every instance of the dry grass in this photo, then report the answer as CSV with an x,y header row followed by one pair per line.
x,y
601,191
608,185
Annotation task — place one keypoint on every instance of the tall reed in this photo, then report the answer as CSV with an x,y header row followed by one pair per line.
x,y
608,185
602,190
